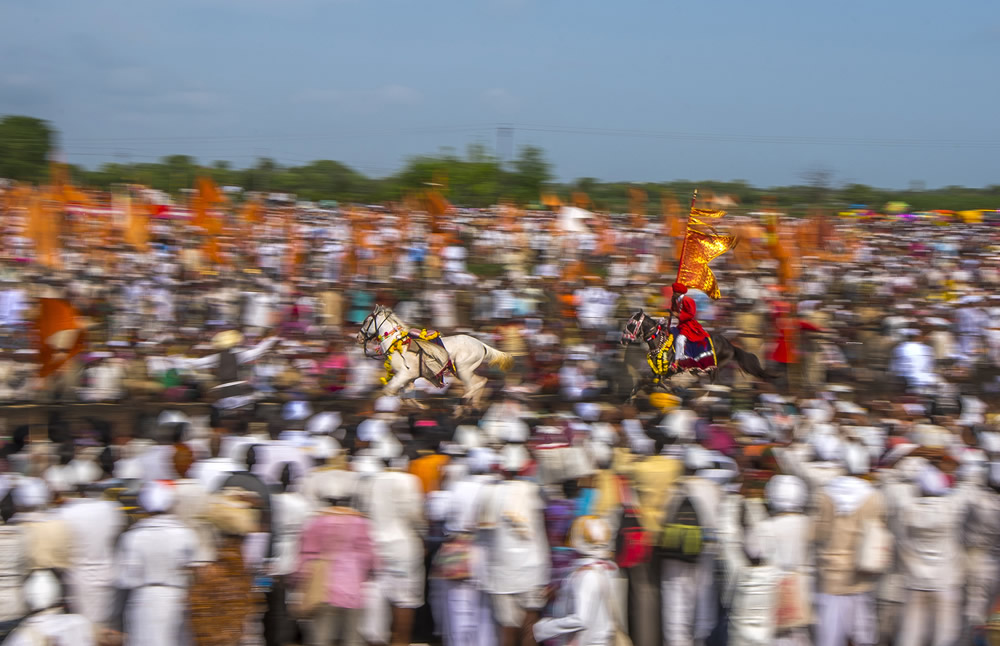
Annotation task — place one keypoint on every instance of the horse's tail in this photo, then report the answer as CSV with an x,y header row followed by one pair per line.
x,y
750,364
502,360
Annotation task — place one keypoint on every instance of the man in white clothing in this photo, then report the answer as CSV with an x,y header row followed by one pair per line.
x,y
914,361
929,545
94,525
394,503
518,559
153,562
47,625
687,588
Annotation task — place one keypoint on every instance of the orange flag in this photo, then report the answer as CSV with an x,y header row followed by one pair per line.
x,y
60,335
637,201
207,196
701,246
551,200
252,212
43,229
137,224
699,249
436,206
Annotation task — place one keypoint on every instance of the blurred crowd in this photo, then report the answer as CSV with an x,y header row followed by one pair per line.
x,y
853,499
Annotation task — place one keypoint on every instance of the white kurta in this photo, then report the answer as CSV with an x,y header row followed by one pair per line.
x,y
519,550
95,526
585,608
289,513
152,563
52,628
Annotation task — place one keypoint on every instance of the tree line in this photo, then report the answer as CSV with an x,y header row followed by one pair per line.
x,y
475,179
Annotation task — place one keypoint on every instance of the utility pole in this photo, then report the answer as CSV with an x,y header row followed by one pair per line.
x,y
505,140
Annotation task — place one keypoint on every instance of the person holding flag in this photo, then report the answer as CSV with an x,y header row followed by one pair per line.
x,y
693,348
698,354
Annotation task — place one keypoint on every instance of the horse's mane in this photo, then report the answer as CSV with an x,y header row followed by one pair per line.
x,y
389,315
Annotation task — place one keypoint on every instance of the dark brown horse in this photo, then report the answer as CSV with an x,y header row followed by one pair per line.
x,y
641,328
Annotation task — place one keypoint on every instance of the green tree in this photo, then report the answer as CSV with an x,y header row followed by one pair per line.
x,y
25,144
531,174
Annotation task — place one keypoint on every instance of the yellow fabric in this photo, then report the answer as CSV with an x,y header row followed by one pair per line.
x,y
653,478
698,216
664,401
699,249
48,544
607,500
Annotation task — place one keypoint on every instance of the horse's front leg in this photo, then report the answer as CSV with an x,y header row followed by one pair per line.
x,y
640,385
403,376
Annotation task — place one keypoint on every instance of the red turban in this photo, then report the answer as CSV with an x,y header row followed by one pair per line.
x,y
679,288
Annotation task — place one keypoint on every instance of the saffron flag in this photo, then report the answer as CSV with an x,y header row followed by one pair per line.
x,y
60,334
137,224
700,248
637,201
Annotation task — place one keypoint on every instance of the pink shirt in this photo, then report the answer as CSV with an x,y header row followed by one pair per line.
x,y
344,540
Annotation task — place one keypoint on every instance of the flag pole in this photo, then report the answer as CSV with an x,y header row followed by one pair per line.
x,y
680,259
687,222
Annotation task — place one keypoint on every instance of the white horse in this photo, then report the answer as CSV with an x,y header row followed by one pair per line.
x,y
406,364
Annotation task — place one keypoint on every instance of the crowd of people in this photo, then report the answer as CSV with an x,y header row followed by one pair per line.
x,y
273,496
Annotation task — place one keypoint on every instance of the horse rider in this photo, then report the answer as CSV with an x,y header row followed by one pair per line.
x,y
688,328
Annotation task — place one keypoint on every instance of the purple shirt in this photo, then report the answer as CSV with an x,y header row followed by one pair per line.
x,y
344,540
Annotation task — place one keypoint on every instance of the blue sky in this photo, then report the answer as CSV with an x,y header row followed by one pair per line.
x,y
882,92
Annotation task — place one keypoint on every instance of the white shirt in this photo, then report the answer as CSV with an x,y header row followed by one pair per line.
x,y
585,606
52,628
915,361
519,550
212,472
395,506
289,513
929,536
156,551
95,526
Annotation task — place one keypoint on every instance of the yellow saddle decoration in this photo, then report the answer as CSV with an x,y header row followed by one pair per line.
x,y
658,360
397,346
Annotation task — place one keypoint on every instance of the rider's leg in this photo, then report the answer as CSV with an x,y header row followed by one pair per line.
x,y
679,344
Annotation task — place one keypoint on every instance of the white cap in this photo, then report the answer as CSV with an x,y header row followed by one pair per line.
x,y
156,497
296,410
41,590
387,404
588,412
324,423
31,492
172,417
856,458
932,482
785,493
481,459
372,430
848,408
513,457
468,436
323,447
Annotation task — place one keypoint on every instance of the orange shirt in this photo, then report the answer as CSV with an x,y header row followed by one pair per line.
x,y
428,469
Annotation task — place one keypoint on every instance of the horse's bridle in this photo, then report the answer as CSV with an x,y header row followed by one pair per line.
x,y
634,327
374,335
